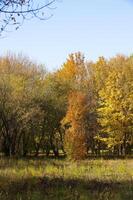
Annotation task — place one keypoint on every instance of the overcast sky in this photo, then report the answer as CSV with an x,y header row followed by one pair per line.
x,y
94,27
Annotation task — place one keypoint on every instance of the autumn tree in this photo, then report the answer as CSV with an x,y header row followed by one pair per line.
x,y
83,107
58,86
73,73
75,124
20,92
116,107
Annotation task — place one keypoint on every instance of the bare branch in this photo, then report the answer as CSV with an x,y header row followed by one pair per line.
x,y
14,12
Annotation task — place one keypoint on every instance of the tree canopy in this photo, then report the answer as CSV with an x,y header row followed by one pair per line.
x,y
84,108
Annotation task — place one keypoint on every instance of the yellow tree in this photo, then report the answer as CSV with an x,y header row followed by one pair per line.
x,y
116,109
73,72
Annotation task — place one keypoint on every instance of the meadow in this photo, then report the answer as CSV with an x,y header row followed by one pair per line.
x,y
54,179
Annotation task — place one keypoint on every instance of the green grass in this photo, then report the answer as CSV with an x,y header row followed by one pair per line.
x,y
40,179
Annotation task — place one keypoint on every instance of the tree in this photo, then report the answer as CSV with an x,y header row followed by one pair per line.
x,y
58,86
15,12
75,123
73,72
116,107
81,108
21,86
54,105
97,74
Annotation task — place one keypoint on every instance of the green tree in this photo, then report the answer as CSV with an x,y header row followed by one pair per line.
x,y
20,90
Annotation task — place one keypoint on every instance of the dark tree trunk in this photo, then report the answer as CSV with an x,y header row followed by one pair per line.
x,y
56,152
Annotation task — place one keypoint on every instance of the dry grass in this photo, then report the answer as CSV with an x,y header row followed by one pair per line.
x,y
59,179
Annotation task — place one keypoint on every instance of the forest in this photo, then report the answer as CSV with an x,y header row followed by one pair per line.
x,y
66,133
82,109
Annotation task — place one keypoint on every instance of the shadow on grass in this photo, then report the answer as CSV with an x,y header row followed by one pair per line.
x,y
58,188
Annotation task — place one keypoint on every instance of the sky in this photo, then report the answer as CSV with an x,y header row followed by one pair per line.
x,y
94,27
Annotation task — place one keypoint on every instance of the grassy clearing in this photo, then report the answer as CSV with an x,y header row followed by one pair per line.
x,y
37,179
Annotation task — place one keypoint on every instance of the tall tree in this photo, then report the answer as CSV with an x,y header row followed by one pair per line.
x,y
116,110
97,74
75,122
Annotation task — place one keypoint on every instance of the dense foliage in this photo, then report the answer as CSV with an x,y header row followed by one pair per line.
x,y
82,108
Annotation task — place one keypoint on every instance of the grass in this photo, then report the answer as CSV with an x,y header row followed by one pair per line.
x,y
40,179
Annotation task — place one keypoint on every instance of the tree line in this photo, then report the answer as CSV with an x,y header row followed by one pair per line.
x,y
84,108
